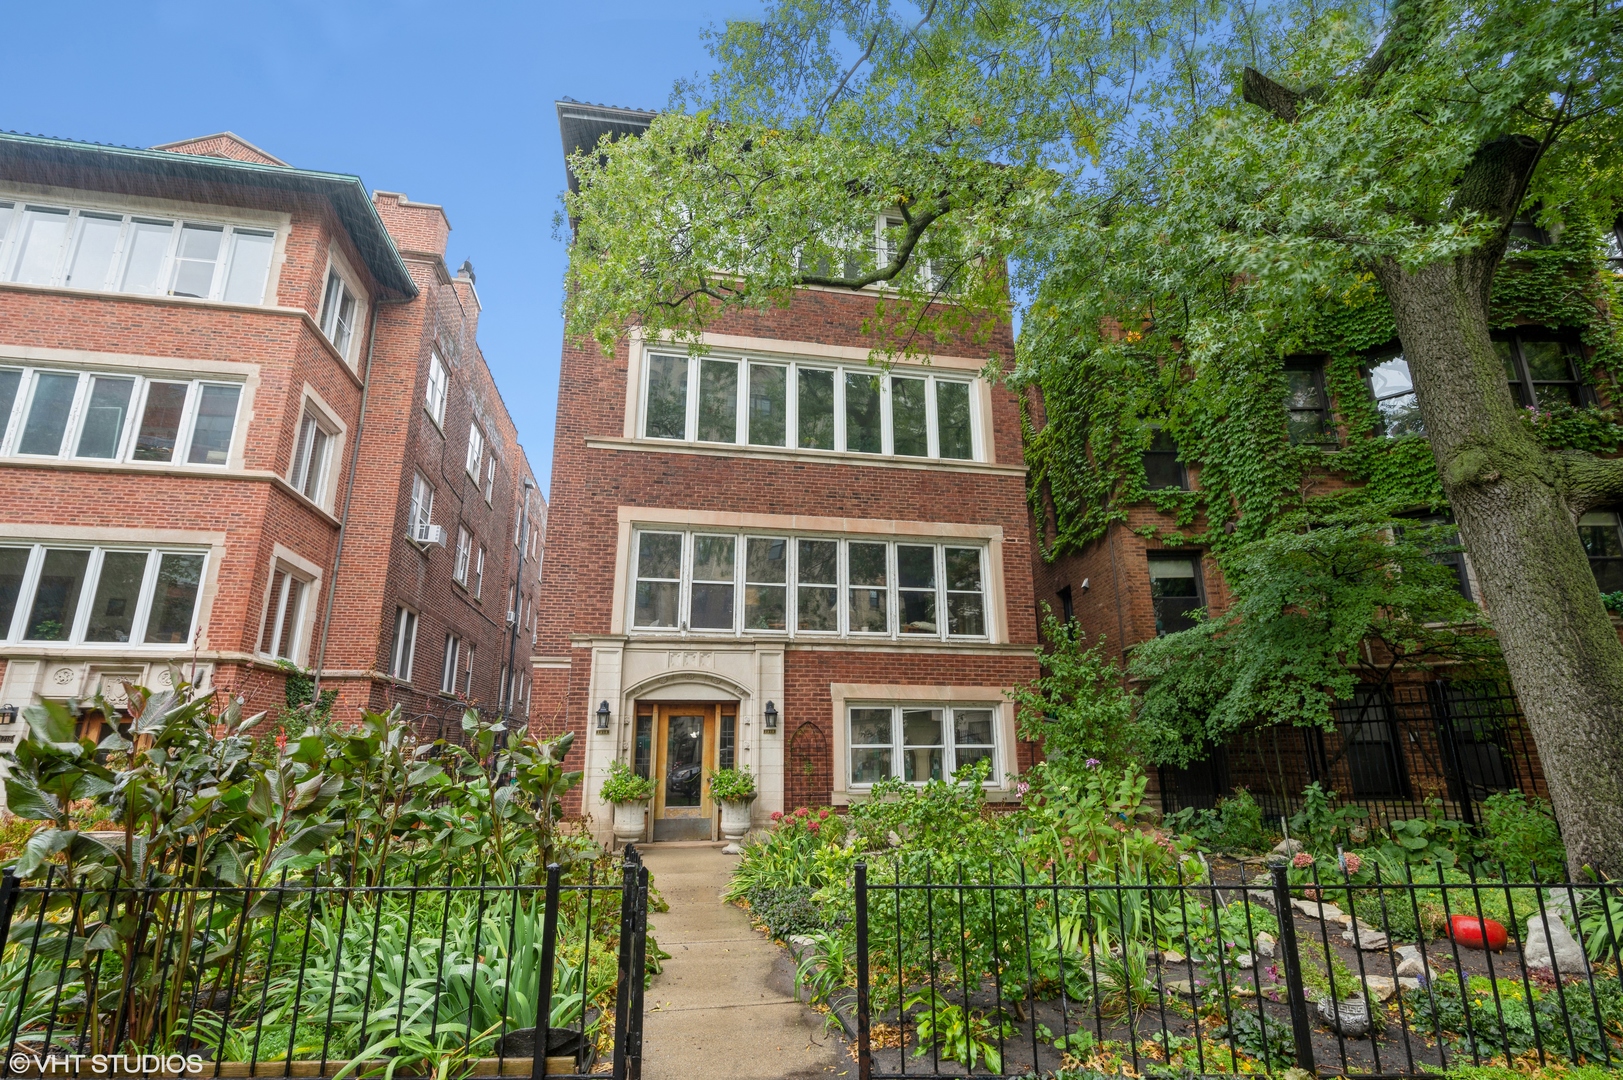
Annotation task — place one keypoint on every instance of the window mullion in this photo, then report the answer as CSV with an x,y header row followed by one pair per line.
x,y
842,585
941,592
76,415
897,769
740,575
166,268
87,596
894,597
188,422
931,420
143,601
690,428
839,409
741,393
887,423
791,406
684,580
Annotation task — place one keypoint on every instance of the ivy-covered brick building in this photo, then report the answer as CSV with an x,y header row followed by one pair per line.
x,y
1149,479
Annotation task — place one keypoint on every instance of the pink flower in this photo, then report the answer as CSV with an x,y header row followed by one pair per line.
x,y
822,814
777,815
813,826
1302,860
1352,863
801,811
1093,763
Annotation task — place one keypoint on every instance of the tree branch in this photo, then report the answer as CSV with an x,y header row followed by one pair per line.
x,y
916,225
1272,97
1591,481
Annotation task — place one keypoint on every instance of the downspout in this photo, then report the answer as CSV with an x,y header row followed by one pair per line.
x,y
518,604
349,498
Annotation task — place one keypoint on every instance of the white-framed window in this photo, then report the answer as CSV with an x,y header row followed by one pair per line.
x,y
799,405
422,507
449,668
312,456
467,668
439,382
115,416
476,451
340,312
147,254
403,649
917,743
464,551
113,595
479,573
282,633
738,583
490,480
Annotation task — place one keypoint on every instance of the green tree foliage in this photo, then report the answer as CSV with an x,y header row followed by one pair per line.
x,y
1079,707
1321,604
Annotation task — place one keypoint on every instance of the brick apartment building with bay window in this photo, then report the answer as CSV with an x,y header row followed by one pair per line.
x,y
245,424
777,555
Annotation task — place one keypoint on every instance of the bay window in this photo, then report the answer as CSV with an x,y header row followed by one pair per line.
x,y
807,586
339,313
282,633
98,595
808,406
106,416
310,457
109,251
917,743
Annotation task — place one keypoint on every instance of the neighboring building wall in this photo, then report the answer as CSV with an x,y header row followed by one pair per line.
x,y
246,515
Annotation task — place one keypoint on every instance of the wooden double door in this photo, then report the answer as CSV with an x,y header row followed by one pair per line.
x,y
679,745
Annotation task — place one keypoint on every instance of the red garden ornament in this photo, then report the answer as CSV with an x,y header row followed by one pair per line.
x,y
1475,933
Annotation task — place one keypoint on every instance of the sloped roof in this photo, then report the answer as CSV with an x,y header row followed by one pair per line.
x,y
65,162
226,144
583,126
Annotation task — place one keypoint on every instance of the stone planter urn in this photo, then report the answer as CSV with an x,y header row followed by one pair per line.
x,y
735,822
628,821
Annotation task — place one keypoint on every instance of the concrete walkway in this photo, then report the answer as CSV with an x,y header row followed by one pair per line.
x,y
724,1007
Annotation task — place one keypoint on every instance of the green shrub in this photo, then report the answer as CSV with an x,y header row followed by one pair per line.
x,y
786,910
1235,825
1519,833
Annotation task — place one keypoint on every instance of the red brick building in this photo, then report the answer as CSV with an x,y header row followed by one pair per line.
x,y
245,424
778,556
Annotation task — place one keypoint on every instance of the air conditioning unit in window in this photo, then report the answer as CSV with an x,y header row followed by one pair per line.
x,y
512,617
430,535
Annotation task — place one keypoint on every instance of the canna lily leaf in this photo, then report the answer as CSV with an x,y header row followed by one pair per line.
x,y
303,842
28,801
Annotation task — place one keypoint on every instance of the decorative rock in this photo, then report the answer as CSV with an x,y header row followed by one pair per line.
x,y
1409,984
1287,848
1172,956
1314,909
1368,939
1380,987
1541,944
1245,960
800,945
1410,963
1350,1017
1181,987
1265,945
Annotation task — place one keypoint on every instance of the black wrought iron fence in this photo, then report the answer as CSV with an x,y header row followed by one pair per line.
x,y
1393,748
325,977
979,972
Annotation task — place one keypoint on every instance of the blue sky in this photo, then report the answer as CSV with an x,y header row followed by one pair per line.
x,y
450,103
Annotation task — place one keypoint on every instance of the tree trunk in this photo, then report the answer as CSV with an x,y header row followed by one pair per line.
x,y
1517,513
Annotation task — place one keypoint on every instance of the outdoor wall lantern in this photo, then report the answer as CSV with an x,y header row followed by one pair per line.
x,y
771,715
603,718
